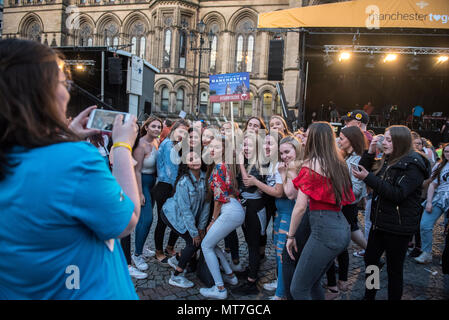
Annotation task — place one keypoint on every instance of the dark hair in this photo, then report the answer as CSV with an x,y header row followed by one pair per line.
x,y
402,142
331,161
147,122
29,114
262,124
168,122
441,164
177,124
357,139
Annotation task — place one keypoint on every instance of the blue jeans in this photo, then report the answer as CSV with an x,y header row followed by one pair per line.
x,y
330,235
426,227
281,227
146,213
231,217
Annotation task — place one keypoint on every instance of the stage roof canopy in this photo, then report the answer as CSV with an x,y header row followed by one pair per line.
x,y
370,14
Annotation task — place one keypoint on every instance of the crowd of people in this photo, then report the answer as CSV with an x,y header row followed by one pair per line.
x,y
72,202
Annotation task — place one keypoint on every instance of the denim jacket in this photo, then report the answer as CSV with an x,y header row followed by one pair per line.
x,y
188,208
167,162
358,186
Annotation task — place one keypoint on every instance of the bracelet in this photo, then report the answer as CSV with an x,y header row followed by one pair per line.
x,y
122,144
290,237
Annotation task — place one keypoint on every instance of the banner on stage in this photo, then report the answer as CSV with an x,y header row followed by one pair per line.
x,y
229,87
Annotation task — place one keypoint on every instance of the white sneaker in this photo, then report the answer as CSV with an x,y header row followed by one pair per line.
x,y
232,280
214,293
180,281
237,267
133,272
424,258
173,262
271,286
147,253
140,263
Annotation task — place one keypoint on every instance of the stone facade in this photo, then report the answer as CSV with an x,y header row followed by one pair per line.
x,y
159,31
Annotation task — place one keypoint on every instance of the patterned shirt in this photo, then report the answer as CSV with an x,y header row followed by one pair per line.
x,y
220,182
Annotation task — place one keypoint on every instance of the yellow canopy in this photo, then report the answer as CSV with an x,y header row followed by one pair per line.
x,y
371,14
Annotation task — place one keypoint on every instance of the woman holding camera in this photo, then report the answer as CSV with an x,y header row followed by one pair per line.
x,y
65,208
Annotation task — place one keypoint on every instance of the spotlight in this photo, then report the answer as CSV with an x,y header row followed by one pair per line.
x,y
80,67
344,56
391,57
442,59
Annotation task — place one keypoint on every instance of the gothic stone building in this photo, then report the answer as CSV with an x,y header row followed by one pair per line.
x,y
159,32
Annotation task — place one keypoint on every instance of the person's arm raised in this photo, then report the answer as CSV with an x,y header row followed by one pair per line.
x,y
123,169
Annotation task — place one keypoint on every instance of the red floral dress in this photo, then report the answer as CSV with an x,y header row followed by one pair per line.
x,y
319,189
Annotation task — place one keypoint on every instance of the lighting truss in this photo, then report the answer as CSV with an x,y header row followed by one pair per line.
x,y
387,49
80,62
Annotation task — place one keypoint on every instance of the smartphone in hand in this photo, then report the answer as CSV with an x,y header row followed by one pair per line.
x,y
355,167
104,119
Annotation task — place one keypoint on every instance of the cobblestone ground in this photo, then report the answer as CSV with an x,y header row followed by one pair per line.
x,y
419,283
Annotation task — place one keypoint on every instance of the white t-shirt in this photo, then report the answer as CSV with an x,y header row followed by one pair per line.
x,y
273,175
444,179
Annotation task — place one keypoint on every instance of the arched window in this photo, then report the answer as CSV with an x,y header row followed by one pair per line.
x,y
108,41
134,45
115,41
213,55
90,42
167,49
278,105
142,47
165,94
203,102
248,106
267,99
182,49
179,100
244,52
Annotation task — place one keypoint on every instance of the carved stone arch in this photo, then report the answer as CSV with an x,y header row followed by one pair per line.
x,y
266,87
107,20
183,83
241,15
133,18
217,18
163,82
85,18
31,27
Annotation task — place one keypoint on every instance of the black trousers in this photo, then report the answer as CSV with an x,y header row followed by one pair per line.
x,y
232,243
395,246
161,192
270,207
126,247
252,229
188,253
343,266
445,256
288,265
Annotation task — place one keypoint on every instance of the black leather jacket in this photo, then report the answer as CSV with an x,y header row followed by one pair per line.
x,y
396,205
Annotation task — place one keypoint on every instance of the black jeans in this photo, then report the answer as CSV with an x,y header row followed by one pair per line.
x,y
289,265
232,243
161,192
126,247
270,207
343,266
445,257
395,247
252,229
188,253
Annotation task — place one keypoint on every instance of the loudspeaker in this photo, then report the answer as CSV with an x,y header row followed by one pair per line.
x,y
115,70
276,60
147,107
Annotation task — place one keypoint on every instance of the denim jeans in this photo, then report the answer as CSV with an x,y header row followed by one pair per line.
x,y
367,217
231,217
330,235
281,227
146,213
426,227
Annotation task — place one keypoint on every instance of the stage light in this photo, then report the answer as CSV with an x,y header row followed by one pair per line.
x,y
80,67
391,57
344,56
442,59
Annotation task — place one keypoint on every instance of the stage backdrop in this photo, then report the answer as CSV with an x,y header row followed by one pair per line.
x,y
372,14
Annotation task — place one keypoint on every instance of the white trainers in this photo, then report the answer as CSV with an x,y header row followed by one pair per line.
x,y
180,281
232,280
140,263
147,253
133,272
173,262
271,286
237,267
424,258
214,293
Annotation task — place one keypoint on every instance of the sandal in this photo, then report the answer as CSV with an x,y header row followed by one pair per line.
x,y
163,262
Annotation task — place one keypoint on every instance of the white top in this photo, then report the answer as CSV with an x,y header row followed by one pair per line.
x,y
273,176
149,162
444,179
